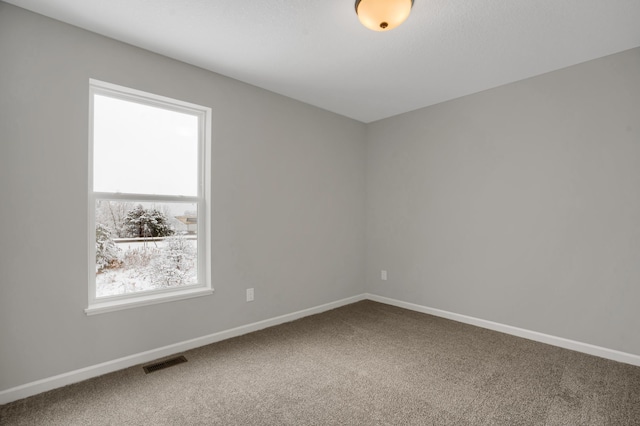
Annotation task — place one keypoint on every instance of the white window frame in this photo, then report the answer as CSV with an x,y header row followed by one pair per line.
x,y
202,200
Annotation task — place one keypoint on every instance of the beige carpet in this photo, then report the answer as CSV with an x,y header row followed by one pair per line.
x,y
362,364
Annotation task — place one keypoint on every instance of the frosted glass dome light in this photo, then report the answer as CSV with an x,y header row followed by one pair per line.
x,y
383,15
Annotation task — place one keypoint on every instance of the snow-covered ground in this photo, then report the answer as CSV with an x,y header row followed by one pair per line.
x,y
139,270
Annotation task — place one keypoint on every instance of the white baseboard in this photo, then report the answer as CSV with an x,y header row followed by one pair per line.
x,y
64,379
573,345
39,386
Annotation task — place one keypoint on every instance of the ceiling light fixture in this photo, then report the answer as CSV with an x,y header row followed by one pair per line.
x,y
383,15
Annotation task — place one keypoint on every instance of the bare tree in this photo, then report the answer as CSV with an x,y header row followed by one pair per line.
x,y
112,214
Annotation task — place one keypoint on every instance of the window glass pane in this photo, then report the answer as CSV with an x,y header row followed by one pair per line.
x,y
145,246
140,149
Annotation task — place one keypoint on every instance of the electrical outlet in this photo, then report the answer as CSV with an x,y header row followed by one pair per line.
x,y
383,275
249,295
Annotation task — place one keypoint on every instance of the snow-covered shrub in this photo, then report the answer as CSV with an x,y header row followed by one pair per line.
x,y
175,264
139,258
107,253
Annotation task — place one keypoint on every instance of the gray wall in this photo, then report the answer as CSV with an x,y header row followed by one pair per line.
x,y
519,205
288,201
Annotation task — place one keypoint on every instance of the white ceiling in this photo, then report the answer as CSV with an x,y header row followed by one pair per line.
x,y
316,51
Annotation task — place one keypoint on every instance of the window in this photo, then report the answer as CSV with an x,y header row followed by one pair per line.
x,y
149,198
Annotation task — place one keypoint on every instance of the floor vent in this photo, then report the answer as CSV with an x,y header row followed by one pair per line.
x,y
164,364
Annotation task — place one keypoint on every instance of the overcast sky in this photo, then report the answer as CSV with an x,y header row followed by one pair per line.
x,y
143,149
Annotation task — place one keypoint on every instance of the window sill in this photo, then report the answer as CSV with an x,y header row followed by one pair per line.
x,y
151,299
